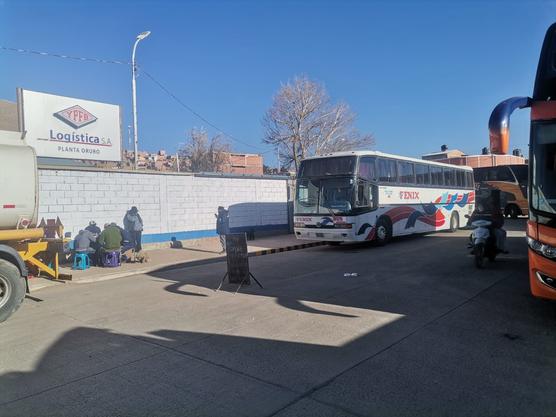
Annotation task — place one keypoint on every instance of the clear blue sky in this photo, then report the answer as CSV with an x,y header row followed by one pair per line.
x,y
418,74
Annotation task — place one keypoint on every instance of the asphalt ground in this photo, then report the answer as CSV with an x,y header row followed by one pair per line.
x,y
418,331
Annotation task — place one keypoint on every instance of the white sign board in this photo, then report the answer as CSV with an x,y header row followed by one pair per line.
x,y
65,127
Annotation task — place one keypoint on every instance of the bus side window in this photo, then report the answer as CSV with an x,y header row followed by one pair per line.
x,y
491,174
449,176
367,168
521,173
362,194
406,173
366,194
393,170
422,174
387,170
469,183
503,173
460,177
437,177
479,174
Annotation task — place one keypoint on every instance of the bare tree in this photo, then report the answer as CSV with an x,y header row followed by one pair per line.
x,y
303,122
203,154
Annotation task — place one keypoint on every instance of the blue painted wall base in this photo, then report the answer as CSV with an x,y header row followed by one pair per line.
x,y
199,234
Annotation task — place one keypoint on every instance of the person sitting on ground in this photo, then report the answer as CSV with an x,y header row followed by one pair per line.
x,y
110,239
93,228
83,242
175,244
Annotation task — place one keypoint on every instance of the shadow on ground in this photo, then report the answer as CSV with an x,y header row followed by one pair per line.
x,y
411,335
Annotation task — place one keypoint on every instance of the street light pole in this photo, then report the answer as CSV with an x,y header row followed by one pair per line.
x,y
140,37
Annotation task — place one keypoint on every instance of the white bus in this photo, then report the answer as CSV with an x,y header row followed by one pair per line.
x,y
366,195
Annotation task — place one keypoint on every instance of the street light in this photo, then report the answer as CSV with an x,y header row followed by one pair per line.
x,y
140,37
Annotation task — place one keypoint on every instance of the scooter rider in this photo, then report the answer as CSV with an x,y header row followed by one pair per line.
x,y
497,218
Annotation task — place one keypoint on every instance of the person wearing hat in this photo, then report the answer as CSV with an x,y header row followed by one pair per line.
x,y
93,228
84,243
133,224
95,231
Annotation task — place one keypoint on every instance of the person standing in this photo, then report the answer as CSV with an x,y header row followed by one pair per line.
x,y
222,226
133,224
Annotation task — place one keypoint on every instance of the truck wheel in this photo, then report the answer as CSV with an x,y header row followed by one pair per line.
x,y
12,289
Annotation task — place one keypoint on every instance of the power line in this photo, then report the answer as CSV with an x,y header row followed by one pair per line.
x,y
177,99
159,84
75,58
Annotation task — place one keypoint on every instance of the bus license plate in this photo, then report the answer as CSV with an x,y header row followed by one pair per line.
x,y
320,234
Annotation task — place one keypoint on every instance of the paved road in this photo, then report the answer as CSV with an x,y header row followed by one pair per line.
x,y
419,332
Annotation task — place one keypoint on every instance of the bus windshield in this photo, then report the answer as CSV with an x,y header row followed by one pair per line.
x,y
325,196
543,184
320,167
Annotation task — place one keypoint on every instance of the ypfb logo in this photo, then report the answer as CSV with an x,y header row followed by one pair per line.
x,y
76,117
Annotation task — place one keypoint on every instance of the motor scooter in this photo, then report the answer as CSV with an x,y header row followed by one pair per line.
x,y
482,241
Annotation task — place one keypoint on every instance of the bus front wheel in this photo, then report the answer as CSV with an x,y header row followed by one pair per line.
x,y
383,231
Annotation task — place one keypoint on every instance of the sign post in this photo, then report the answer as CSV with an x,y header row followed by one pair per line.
x,y
237,259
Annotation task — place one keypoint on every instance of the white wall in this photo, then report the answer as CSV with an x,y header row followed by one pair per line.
x,y
168,203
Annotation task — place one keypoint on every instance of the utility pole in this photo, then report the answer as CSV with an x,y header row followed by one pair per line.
x,y
140,37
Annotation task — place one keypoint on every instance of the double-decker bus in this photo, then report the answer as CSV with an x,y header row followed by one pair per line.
x,y
365,195
541,227
511,180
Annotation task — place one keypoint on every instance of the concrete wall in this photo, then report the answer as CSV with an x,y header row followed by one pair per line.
x,y
8,116
170,204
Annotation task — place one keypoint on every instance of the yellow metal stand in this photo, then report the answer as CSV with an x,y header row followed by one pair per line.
x,y
42,253
31,250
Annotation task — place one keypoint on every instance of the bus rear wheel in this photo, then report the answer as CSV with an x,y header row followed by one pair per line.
x,y
383,232
512,211
454,222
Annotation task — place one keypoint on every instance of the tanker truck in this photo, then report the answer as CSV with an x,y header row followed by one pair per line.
x,y
18,217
